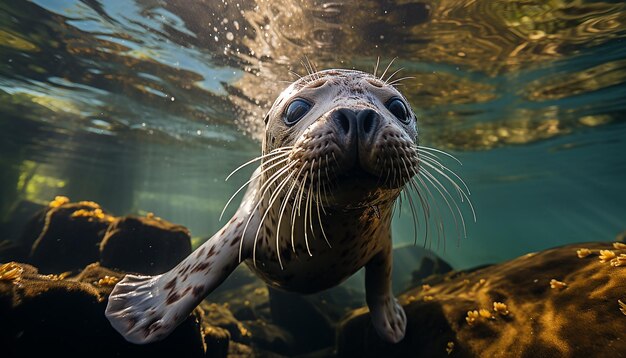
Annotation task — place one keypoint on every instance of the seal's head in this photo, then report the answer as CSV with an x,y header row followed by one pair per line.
x,y
345,132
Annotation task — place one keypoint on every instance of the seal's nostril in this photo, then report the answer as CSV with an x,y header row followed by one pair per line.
x,y
368,119
345,123
343,118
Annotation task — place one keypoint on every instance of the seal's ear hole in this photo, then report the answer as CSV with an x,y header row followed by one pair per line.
x,y
267,118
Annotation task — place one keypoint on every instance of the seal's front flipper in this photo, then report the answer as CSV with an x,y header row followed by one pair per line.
x,y
388,318
387,314
145,309
136,310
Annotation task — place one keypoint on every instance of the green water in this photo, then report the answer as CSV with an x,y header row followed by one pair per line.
x,y
146,106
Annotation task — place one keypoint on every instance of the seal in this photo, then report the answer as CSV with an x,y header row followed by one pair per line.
x,y
339,148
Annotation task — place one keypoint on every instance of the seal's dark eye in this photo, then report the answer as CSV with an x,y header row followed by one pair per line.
x,y
296,110
398,108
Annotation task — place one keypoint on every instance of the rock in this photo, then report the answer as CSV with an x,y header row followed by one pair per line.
x,y
146,245
216,315
290,310
545,318
260,333
409,256
270,337
22,217
430,266
247,296
70,237
217,341
238,350
53,315
12,251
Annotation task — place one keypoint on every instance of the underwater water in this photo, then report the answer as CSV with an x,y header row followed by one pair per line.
x,y
146,106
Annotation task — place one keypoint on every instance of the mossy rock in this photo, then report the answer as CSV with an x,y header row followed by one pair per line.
x,y
545,318
70,237
52,315
145,245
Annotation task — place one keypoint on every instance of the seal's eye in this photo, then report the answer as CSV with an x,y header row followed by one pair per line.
x,y
398,108
296,110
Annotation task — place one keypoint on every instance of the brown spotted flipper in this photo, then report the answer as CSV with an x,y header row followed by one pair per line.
x,y
145,309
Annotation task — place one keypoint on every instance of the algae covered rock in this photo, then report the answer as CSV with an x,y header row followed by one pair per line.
x,y
547,304
54,315
146,245
70,236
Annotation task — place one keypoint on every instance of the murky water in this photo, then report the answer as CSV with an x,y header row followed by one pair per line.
x,y
146,106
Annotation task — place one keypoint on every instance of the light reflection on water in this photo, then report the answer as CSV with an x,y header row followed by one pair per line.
x,y
147,106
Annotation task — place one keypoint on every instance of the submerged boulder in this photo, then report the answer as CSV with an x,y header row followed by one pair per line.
x,y
146,245
70,236
54,315
559,302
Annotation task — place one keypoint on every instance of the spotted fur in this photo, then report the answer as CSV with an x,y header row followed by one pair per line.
x,y
353,181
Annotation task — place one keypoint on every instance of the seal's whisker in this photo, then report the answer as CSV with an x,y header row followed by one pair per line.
x,y
303,185
310,194
306,209
437,185
272,199
461,192
393,74
440,226
438,220
311,191
293,207
422,147
394,181
413,214
327,184
295,74
443,167
397,205
387,69
376,66
396,81
248,182
278,152
412,206
388,171
311,66
281,212
319,188
434,166
308,70
296,210
263,190
319,215
425,207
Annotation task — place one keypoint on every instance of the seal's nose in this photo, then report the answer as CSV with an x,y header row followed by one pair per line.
x,y
360,124
367,122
